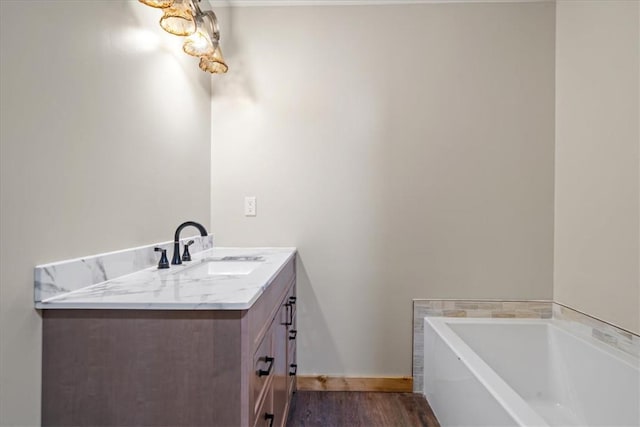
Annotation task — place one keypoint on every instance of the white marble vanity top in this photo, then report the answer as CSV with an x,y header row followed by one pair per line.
x,y
190,286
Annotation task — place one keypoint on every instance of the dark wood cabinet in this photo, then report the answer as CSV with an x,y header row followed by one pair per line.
x,y
173,367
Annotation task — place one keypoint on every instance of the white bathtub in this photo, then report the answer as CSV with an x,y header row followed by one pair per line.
x,y
522,372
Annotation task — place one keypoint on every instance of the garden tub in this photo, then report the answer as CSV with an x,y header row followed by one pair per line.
x,y
526,372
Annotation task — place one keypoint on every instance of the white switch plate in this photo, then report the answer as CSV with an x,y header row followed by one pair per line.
x,y
250,206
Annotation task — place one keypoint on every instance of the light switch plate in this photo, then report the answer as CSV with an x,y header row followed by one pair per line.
x,y
250,206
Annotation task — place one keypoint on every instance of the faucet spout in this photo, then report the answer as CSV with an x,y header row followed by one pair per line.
x,y
176,239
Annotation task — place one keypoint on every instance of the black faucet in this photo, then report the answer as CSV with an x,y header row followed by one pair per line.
x,y
176,239
164,262
186,256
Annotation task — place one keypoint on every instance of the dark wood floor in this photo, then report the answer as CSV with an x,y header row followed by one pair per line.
x,y
355,409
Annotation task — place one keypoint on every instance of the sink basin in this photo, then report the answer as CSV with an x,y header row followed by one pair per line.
x,y
222,267
230,267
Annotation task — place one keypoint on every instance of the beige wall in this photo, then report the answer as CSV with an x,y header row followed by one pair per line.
x,y
597,147
407,151
105,145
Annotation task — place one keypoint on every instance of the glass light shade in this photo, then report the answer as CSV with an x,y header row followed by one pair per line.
x,y
178,19
160,4
204,41
214,63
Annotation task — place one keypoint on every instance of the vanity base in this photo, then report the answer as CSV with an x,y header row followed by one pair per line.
x,y
172,367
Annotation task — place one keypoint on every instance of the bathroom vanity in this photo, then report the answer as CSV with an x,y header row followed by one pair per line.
x,y
209,343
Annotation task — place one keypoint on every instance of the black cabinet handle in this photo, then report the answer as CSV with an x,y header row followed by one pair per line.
x,y
289,320
269,417
294,369
262,372
292,334
292,300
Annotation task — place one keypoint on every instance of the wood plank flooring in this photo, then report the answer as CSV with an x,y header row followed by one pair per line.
x,y
359,409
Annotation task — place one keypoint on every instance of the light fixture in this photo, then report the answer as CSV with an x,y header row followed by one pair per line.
x,y
178,19
214,63
185,18
204,40
160,4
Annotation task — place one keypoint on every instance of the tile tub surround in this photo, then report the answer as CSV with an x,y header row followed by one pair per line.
x,y
58,278
466,308
584,325
575,321
183,287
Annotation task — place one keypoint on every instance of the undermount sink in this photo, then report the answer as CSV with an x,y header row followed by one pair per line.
x,y
226,266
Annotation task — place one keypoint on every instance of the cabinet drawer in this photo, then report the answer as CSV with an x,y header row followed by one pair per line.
x,y
292,335
264,416
292,371
268,305
263,365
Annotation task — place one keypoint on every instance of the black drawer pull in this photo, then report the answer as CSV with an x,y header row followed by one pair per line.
x,y
294,369
292,300
289,320
292,334
269,417
262,372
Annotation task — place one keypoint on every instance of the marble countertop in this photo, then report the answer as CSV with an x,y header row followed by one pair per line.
x,y
189,286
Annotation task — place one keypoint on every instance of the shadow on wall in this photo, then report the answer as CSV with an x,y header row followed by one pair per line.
x,y
314,335
237,84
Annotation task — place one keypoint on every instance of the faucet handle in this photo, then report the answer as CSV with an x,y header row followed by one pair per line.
x,y
164,262
186,256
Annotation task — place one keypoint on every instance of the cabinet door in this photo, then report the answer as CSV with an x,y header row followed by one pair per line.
x,y
280,378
